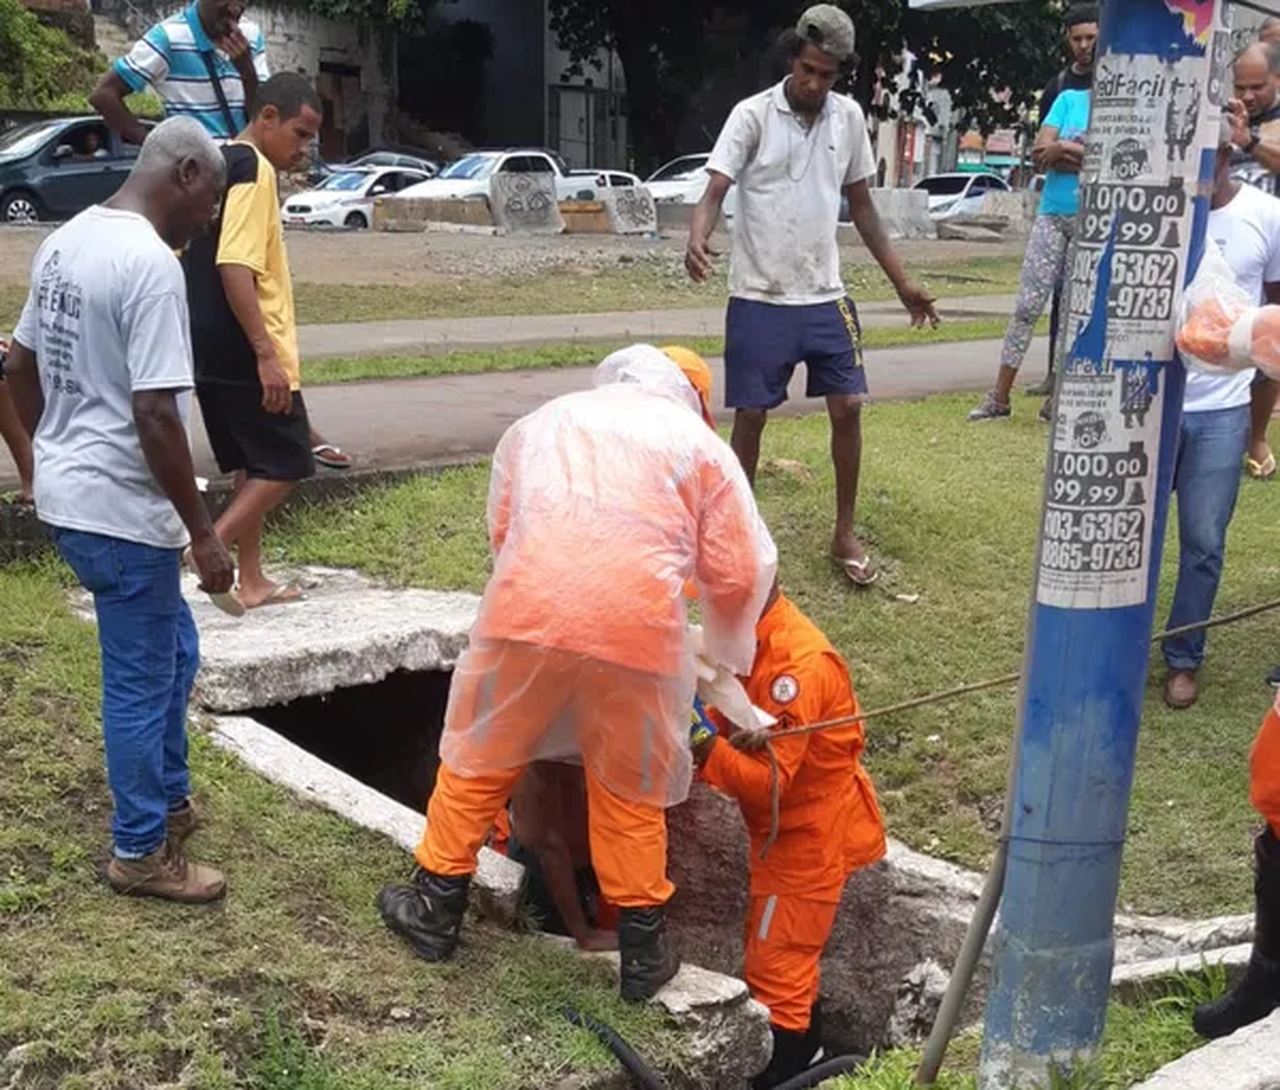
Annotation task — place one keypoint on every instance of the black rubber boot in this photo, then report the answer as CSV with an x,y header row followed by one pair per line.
x,y
427,913
648,961
1258,992
792,1051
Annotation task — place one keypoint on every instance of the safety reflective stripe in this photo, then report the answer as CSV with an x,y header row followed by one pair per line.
x,y
766,918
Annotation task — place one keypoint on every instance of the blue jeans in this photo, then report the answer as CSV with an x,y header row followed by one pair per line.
x,y
1207,480
150,654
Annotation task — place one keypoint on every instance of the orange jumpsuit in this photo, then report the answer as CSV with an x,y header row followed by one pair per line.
x,y
602,505
829,820
1264,769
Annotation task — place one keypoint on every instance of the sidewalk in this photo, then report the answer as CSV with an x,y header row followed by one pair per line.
x,y
430,335
401,423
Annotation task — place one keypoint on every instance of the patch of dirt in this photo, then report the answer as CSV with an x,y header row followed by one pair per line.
x,y
370,257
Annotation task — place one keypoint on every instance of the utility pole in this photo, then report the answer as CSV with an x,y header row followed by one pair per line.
x,y
1158,96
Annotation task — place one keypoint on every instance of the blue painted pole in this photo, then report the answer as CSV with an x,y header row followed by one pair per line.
x,y
1157,101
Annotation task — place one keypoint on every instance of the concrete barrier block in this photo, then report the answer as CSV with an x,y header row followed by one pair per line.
x,y
632,210
904,212
1011,207
415,213
585,218
525,204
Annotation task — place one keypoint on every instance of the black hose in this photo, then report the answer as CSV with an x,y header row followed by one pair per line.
x,y
643,1074
828,1069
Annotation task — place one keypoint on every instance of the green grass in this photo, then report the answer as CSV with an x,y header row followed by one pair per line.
x,y
292,983
580,354
655,283
949,510
1140,1038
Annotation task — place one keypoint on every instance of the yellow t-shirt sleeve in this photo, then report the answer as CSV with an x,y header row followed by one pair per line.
x,y
248,217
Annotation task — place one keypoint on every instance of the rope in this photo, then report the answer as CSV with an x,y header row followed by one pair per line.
x,y
757,741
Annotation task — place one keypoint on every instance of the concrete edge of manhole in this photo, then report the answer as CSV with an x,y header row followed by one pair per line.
x,y
728,1030
1247,1060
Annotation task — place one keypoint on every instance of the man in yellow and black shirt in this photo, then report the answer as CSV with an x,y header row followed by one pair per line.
x,y
245,334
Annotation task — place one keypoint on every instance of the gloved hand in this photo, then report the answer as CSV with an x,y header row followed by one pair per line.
x,y
719,688
701,729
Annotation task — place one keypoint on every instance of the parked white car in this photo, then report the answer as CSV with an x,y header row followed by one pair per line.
x,y
684,180
468,177
346,199
959,194
588,184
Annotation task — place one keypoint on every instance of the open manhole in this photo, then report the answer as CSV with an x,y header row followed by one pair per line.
x,y
386,734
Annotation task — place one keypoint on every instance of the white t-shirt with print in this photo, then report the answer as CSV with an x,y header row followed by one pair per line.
x,y
106,317
1247,231
789,181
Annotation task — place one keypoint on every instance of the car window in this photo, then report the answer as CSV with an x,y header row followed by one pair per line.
x,y
620,179
22,141
678,168
88,141
978,187
471,167
522,164
942,185
348,181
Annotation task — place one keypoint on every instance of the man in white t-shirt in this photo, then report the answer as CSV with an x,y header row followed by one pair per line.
x,y
792,151
101,374
1245,224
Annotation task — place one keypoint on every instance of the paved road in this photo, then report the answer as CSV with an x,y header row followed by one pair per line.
x,y
406,422
393,425
410,336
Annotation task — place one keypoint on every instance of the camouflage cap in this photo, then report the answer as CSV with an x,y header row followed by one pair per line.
x,y
828,28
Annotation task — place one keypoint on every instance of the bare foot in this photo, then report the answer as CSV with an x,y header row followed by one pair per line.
x,y
270,594
852,559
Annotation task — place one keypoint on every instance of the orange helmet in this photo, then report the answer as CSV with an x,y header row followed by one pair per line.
x,y
697,372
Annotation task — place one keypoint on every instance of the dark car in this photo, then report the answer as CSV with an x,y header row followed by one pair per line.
x,y
50,170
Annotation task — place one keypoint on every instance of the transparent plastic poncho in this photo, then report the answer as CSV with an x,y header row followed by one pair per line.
x,y
1223,328
603,504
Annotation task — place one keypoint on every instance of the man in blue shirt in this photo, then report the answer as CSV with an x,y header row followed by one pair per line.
x,y
1059,152
204,62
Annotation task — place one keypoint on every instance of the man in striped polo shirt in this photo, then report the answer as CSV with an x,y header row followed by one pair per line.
x,y
204,62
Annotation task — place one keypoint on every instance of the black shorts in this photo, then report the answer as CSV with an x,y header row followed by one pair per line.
x,y
244,436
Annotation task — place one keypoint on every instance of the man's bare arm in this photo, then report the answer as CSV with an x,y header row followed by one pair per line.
x,y
239,283
866,219
23,379
164,443
108,99
699,260
539,816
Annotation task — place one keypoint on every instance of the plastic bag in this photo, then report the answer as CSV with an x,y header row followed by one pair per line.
x,y
1212,307
1223,329
719,688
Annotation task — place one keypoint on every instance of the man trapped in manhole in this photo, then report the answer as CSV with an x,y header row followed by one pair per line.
x,y
603,504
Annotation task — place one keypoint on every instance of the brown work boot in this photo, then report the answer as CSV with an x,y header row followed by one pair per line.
x,y
166,874
180,824
1180,689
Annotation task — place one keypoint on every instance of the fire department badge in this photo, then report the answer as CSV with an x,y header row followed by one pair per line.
x,y
784,689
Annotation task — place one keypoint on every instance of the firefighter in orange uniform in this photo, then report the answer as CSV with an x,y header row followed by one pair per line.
x,y
602,505
829,821
1258,992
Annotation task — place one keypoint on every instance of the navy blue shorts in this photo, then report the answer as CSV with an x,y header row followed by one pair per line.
x,y
764,342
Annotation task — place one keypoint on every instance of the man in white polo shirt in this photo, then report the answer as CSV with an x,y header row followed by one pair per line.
x,y
1245,223
792,150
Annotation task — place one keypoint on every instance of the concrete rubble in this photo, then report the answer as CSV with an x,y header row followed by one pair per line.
x,y
1247,1060
900,924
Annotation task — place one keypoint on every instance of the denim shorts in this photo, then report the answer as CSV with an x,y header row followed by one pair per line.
x,y
765,341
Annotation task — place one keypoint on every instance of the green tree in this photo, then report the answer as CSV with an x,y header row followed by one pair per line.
x,y
41,68
992,59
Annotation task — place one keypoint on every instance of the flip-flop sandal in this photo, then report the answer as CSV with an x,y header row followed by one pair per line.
x,y
337,459
284,595
228,601
1263,470
861,573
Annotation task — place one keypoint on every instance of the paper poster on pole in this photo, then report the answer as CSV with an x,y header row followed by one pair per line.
x,y
1149,118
